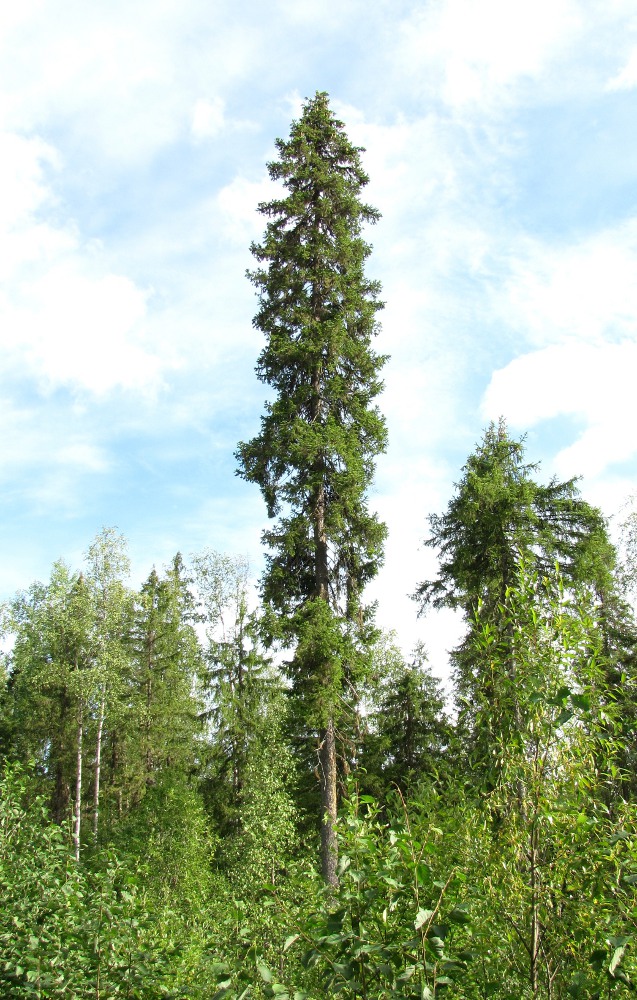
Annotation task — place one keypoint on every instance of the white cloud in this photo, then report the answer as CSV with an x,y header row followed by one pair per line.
x,y
208,118
123,78
594,384
577,306
414,489
84,455
52,459
626,79
81,329
586,291
238,203
65,319
23,188
409,161
483,51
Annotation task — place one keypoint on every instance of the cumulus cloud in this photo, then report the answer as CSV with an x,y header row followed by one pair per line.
x,y
81,329
137,103
626,79
587,290
593,385
482,52
47,464
65,319
576,305
238,205
124,78
208,118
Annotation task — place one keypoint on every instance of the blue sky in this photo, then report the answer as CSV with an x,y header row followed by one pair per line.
x,y
502,151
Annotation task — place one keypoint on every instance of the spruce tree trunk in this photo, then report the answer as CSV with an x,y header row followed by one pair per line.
x,y
327,739
327,767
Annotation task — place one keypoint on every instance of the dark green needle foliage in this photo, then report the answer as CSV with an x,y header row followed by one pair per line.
x,y
408,733
314,456
500,513
499,519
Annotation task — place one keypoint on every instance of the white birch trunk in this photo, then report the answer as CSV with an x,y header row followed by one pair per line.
x,y
78,787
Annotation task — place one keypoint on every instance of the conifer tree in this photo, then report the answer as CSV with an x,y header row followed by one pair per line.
x,y
500,520
314,456
235,687
166,659
407,730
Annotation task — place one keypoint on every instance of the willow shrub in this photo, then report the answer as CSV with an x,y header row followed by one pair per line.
x,y
66,931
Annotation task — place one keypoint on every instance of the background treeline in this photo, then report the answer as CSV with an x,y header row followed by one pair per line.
x,y
159,824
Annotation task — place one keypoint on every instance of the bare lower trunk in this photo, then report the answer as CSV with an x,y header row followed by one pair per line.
x,y
327,740
98,766
78,788
327,768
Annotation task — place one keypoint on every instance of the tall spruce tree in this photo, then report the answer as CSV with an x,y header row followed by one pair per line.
x,y
314,457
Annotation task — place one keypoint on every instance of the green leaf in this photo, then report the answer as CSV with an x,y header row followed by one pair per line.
x,y
460,914
407,974
423,873
289,941
310,958
565,716
597,958
437,945
335,921
618,954
561,696
422,917
581,701
619,942
578,987
619,835
344,969
264,972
